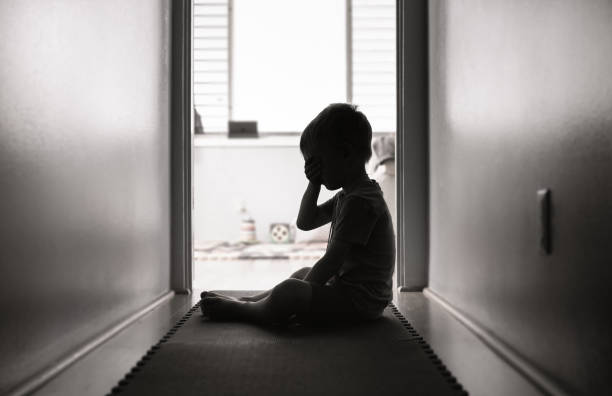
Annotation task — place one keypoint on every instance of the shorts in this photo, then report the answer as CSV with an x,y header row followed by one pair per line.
x,y
330,304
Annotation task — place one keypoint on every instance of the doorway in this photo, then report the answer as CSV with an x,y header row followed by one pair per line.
x,y
246,192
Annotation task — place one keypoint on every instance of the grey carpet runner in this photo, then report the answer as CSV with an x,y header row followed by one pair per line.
x,y
199,356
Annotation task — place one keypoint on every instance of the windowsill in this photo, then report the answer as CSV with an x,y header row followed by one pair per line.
x,y
287,139
264,140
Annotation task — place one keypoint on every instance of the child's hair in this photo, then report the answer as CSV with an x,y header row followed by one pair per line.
x,y
339,122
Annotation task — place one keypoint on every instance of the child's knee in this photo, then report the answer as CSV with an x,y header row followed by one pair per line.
x,y
291,289
301,273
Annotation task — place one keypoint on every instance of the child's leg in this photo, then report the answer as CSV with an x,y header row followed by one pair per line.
x,y
330,304
299,274
291,296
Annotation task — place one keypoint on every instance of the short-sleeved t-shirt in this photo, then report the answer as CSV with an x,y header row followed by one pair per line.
x,y
361,217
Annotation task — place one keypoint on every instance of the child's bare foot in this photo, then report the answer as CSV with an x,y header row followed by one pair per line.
x,y
244,298
221,308
205,294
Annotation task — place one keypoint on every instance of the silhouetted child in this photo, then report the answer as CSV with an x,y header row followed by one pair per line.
x,y
353,280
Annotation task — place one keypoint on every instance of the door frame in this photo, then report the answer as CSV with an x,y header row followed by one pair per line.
x,y
412,149
181,143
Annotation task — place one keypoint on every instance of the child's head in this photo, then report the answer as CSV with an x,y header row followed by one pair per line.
x,y
341,136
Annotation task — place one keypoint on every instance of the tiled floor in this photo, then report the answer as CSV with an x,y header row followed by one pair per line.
x,y
99,371
477,368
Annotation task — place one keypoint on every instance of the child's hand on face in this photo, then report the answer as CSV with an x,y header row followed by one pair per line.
x,y
312,169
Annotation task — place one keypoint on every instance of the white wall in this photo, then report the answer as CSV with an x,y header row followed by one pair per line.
x,y
84,173
521,99
270,180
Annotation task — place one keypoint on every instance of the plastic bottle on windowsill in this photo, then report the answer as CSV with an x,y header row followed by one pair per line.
x,y
247,226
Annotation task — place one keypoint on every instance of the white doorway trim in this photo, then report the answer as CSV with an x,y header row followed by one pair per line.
x,y
412,149
181,142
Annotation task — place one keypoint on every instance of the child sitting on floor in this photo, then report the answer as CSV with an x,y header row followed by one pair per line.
x,y
353,280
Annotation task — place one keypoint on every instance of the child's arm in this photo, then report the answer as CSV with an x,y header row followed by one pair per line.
x,y
311,215
330,263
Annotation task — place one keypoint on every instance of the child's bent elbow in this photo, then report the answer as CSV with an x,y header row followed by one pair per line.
x,y
303,227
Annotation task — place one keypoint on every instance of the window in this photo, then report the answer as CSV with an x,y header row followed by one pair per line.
x,y
279,62
211,63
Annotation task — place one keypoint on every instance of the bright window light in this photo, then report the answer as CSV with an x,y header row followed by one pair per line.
x,y
279,62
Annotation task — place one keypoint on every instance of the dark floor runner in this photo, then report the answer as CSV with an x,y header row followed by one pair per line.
x,y
203,357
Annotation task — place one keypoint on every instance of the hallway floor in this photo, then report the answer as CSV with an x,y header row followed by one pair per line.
x,y
476,367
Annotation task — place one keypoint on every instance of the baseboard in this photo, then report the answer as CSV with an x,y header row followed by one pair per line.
x,y
39,379
531,373
408,289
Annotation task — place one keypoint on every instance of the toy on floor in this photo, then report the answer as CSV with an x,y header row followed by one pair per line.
x,y
280,233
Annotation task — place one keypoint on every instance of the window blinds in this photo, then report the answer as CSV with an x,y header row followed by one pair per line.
x,y
211,63
372,61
